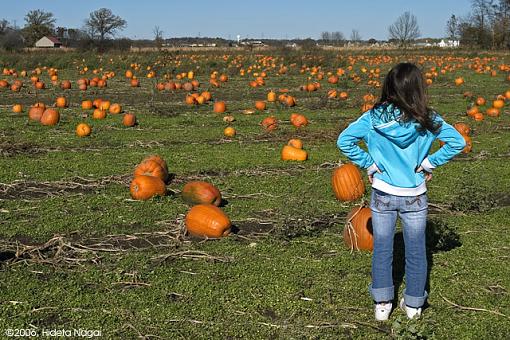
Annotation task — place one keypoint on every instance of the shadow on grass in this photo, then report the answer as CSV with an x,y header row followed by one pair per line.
x,y
439,237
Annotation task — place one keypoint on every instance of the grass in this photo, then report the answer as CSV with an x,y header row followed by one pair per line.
x,y
285,272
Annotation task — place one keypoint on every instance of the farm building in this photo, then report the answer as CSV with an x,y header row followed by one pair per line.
x,y
48,42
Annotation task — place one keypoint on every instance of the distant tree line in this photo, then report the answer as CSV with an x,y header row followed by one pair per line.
x,y
486,26
98,31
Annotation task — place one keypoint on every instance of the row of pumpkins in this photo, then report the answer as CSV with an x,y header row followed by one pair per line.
x,y
206,219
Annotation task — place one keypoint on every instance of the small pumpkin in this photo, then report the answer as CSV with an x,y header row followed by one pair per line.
x,y
358,232
269,123
83,130
17,108
99,114
129,120
271,97
347,182
498,103
115,108
201,192
290,153
86,104
219,107
61,102
298,120
260,105
229,131
144,187
207,220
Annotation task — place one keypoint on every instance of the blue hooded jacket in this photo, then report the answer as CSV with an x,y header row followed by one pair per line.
x,y
397,149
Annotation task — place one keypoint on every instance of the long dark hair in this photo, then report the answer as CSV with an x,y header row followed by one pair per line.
x,y
404,87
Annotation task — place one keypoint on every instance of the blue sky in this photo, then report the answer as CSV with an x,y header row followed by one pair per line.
x,y
253,19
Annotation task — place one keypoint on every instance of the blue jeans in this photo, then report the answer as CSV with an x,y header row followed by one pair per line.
x,y
413,213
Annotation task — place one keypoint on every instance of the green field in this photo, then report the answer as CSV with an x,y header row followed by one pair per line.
x,y
78,252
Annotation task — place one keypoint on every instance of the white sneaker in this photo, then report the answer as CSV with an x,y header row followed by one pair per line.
x,y
382,311
410,311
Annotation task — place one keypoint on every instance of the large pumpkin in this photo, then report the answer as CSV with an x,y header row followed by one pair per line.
x,y
207,220
50,117
347,182
200,192
358,233
144,187
151,168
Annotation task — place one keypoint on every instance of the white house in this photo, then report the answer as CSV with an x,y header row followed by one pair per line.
x,y
48,42
448,43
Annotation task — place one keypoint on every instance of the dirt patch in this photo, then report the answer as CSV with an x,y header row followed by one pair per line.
x,y
34,190
9,149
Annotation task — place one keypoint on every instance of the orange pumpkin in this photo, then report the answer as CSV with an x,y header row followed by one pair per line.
x,y
269,123
358,232
347,182
480,101
35,113
83,130
492,112
50,117
478,116
65,84
459,81
86,104
158,160
290,153
129,120
469,144
134,82
151,168
498,103
219,107
463,128
61,102
260,105
271,97
298,120
200,192
99,114
17,108
115,108
144,187
207,220
229,131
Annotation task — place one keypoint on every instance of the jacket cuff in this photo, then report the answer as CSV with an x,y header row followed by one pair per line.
x,y
426,165
372,169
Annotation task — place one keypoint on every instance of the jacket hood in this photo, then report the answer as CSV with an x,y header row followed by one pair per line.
x,y
386,120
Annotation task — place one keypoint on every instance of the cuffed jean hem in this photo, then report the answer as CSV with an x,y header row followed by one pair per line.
x,y
414,301
382,294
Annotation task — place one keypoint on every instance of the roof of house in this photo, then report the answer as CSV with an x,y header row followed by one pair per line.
x,y
54,40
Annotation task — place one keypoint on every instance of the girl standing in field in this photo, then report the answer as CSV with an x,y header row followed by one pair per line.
x,y
399,132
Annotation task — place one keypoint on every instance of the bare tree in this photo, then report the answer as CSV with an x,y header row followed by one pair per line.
x,y
325,36
452,27
38,24
4,25
337,37
158,36
102,23
405,29
355,36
